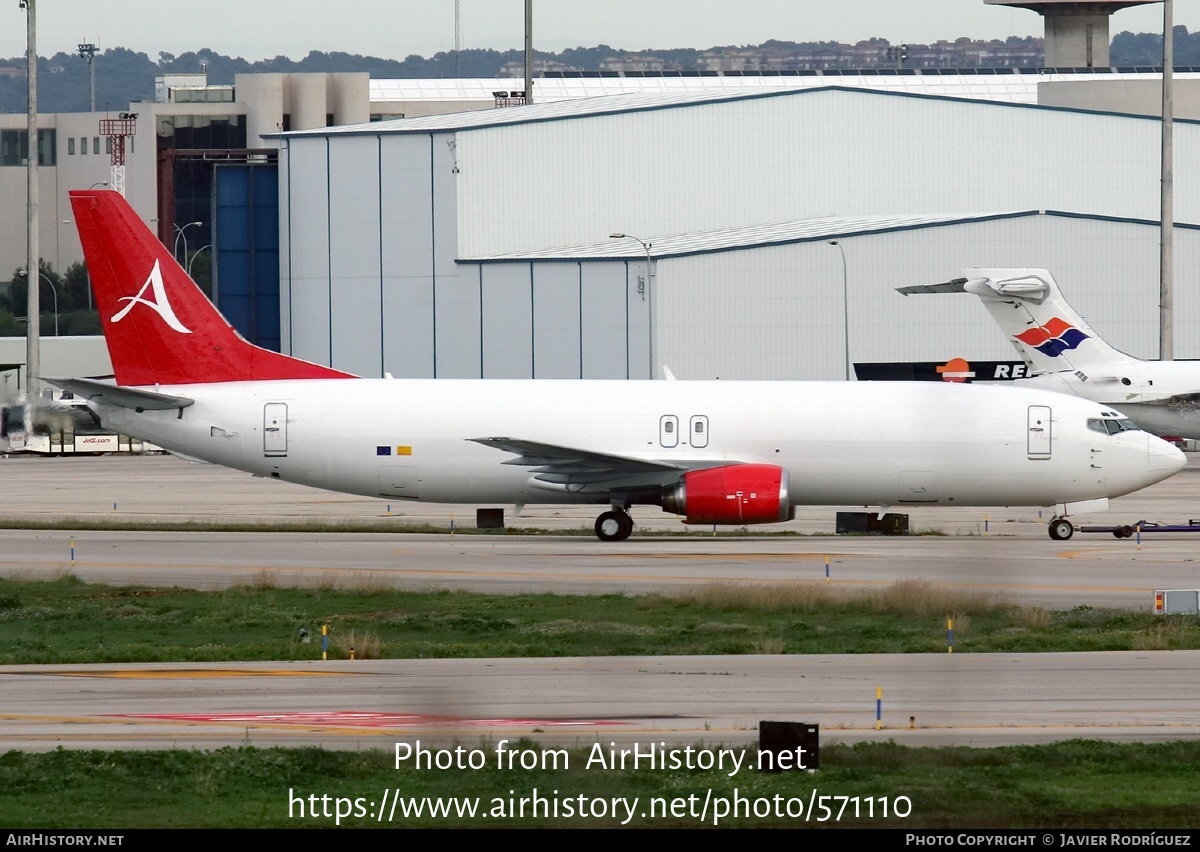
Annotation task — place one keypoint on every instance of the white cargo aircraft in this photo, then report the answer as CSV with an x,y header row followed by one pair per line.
x,y
1063,353
716,452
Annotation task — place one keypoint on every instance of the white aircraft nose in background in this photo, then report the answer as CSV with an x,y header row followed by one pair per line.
x,y
1163,458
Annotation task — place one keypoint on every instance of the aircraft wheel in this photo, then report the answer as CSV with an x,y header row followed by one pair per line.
x,y
614,526
1124,532
1061,529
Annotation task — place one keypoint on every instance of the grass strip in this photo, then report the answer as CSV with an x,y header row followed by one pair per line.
x,y
70,621
1076,784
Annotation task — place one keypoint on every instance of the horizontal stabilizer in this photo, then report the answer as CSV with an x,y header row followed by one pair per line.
x,y
955,285
1023,284
139,400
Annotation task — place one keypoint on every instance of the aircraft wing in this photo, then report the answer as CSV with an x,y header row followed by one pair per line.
x,y
580,470
139,400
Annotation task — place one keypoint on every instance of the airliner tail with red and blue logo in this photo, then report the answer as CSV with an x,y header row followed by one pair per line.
x,y
1064,353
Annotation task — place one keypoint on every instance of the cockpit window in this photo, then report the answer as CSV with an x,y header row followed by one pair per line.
x,y
1111,427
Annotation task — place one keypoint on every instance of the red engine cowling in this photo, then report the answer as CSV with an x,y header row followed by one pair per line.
x,y
732,494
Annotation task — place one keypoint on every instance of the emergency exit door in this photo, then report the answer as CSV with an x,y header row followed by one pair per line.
x,y
1039,432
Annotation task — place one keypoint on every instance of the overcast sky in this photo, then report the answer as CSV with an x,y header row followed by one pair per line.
x,y
258,29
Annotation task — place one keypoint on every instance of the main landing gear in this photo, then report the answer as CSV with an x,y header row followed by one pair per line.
x,y
1061,529
614,525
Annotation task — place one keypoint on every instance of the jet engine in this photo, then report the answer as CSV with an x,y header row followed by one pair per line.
x,y
732,494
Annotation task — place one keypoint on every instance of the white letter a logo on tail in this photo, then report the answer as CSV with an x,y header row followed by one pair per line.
x,y
161,305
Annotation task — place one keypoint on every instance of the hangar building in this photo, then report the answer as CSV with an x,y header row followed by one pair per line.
x,y
477,244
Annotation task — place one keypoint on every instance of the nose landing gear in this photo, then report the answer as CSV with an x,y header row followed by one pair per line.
x,y
1061,529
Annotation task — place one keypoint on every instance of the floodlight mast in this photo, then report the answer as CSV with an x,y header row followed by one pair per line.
x,y
87,50
33,307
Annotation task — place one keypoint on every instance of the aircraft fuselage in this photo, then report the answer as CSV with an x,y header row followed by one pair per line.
x,y
840,443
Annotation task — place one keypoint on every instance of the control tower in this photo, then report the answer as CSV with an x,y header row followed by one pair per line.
x,y
1076,30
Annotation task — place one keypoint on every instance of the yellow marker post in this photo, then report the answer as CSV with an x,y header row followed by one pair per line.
x,y
879,708
72,553
826,569
949,635
324,641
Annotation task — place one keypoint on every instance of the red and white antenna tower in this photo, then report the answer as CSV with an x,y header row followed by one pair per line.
x,y
116,129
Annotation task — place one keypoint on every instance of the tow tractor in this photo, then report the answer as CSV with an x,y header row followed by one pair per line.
x,y
1127,530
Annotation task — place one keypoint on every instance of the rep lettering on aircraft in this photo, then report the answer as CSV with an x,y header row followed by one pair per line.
x,y
161,305
1010,371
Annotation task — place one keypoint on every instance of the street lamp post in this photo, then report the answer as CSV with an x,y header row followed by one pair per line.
x,y
845,306
192,259
179,232
645,245
53,290
642,288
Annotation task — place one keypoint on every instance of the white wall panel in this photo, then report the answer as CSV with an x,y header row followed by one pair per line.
x,y
641,308
1187,295
556,321
803,155
354,221
458,324
507,321
769,313
407,283
304,250
604,317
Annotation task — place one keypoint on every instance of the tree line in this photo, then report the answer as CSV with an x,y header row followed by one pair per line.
x,y
65,301
124,76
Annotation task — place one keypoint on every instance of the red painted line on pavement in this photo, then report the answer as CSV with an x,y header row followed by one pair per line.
x,y
364,720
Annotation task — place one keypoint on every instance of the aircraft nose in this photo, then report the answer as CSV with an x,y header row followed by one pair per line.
x,y
1163,459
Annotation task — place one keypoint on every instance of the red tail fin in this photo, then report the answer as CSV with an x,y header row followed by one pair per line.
x,y
160,327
